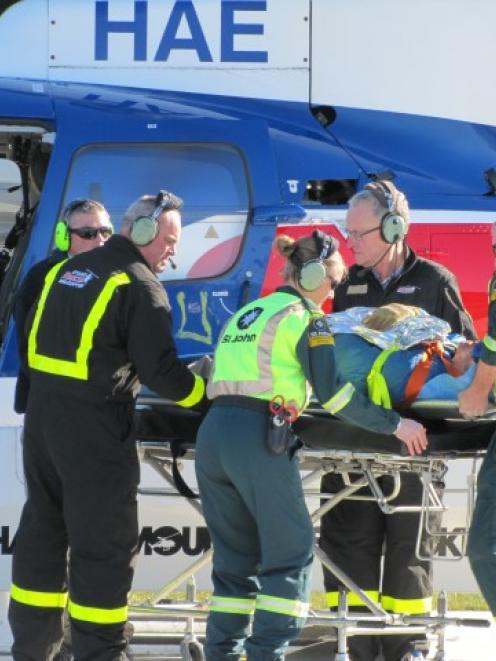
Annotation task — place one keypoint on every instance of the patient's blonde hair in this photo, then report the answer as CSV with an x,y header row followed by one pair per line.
x,y
388,315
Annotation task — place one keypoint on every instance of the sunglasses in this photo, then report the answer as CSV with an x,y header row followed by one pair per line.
x,y
88,233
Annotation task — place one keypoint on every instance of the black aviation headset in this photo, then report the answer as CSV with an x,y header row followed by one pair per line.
x,y
145,228
393,226
313,272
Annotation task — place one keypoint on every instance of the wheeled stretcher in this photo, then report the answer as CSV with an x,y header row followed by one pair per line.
x,y
166,437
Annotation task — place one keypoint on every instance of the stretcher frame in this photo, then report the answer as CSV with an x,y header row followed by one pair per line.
x,y
324,626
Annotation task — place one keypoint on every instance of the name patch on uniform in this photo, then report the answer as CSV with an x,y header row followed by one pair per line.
x,y
319,340
357,289
406,289
78,279
248,318
492,296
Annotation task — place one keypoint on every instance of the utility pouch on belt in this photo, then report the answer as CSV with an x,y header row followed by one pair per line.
x,y
280,437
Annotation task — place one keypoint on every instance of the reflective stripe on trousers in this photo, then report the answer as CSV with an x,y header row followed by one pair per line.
x,y
39,599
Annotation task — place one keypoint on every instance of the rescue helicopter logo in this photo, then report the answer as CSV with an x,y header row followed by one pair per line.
x,y
248,318
164,543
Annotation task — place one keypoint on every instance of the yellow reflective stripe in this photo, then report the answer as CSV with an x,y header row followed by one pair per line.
x,y
489,343
236,605
49,278
352,599
97,615
376,383
195,395
77,369
340,399
407,606
40,599
291,607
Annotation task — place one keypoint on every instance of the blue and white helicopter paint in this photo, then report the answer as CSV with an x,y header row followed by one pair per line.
x,y
257,113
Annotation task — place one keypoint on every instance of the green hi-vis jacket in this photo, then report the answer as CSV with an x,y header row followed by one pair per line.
x,y
102,325
278,345
488,351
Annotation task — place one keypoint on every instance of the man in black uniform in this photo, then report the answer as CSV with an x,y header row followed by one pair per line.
x,y
85,224
386,271
101,326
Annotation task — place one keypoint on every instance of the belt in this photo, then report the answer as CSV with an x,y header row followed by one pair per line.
x,y
252,403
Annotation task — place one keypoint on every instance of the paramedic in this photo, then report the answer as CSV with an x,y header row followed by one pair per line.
x,y
101,326
386,271
85,224
473,402
268,354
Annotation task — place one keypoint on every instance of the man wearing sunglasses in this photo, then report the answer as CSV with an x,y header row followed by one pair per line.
x,y
85,224
101,327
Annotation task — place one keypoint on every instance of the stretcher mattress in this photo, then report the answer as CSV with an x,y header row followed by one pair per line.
x,y
448,433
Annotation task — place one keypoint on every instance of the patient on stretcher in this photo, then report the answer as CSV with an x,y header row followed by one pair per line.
x,y
398,354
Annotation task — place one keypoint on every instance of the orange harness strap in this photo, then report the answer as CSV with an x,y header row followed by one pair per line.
x,y
419,375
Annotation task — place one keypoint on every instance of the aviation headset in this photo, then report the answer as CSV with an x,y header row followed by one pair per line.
x,y
145,228
393,226
62,235
313,272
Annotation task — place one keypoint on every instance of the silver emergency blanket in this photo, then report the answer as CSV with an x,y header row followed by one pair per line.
x,y
404,334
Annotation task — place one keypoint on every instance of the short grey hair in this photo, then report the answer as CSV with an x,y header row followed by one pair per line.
x,y
83,205
400,204
145,206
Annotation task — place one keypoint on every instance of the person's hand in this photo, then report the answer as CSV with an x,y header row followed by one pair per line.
x,y
413,435
462,359
472,402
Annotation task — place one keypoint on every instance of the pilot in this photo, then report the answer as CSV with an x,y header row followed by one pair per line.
x,y
268,354
386,271
473,402
85,224
101,327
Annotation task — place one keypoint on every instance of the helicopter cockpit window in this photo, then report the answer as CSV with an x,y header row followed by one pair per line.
x,y
210,178
329,192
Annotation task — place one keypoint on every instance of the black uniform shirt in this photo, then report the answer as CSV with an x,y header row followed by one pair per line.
x,y
421,282
133,340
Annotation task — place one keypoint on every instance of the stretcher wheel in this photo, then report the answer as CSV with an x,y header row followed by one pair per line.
x,y
191,650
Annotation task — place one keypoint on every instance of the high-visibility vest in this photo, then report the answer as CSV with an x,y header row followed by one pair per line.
x,y
256,354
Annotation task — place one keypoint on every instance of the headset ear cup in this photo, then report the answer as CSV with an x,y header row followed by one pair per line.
x,y
393,228
312,275
143,230
62,236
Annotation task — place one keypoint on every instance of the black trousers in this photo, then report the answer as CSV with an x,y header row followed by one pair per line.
x,y
78,527
355,534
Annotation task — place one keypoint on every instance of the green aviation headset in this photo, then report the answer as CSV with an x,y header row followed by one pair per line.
x,y
393,226
145,228
62,235
313,272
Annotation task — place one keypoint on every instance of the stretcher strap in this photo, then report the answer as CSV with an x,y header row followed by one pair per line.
x,y
419,375
177,451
